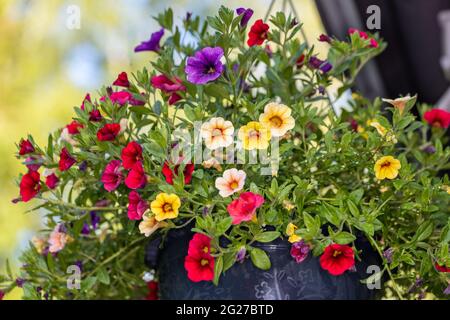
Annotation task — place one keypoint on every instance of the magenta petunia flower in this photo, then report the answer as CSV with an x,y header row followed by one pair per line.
x,y
299,251
112,175
246,15
152,44
205,65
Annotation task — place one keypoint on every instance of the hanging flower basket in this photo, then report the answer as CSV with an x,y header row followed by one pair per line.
x,y
231,153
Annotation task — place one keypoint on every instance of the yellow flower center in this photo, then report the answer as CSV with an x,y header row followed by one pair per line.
x,y
337,253
234,184
211,70
217,132
204,262
205,249
167,207
276,121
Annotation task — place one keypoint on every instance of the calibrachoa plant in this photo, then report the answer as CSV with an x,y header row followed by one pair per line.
x,y
107,182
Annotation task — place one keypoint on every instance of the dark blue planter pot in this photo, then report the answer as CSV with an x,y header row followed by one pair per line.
x,y
286,280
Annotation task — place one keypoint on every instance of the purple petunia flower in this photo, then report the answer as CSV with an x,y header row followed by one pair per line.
x,y
316,63
240,256
20,282
387,254
299,251
447,290
152,44
205,65
246,15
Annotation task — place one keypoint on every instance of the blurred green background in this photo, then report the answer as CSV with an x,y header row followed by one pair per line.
x,y
46,69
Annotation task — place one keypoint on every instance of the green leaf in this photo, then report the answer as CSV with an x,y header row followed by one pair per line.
x,y
260,258
353,208
222,226
88,283
344,237
424,231
357,195
268,236
103,276
218,267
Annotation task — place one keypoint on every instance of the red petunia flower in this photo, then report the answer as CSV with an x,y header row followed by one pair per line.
x,y
112,175
244,208
109,132
74,127
198,263
95,116
300,60
440,268
337,258
122,80
372,42
131,154
199,244
86,98
136,177
25,147
168,86
51,181
437,118
65,160
30,185
259,32
136,206
120,97
169,174
152,290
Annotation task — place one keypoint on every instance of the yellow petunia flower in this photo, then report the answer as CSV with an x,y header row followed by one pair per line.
x,y
387,167
290,231
165,206
277,117
254,136
149,225
446,188
382,131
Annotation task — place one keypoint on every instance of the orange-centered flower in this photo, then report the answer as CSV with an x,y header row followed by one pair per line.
x,y
399,103
277,117
387,167
217,133
233,180
165,206
254,135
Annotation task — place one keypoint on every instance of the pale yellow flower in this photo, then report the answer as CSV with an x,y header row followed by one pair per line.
x,y
165,206
212,163
387,167
254,136
399,103
277,117
382,131
217,133
148,225
39,244
446,188
288,205
232,181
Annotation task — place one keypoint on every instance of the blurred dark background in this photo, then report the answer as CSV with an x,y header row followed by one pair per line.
x,y
411,62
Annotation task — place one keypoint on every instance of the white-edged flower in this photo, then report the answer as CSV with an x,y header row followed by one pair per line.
x,y
217,133
233,180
